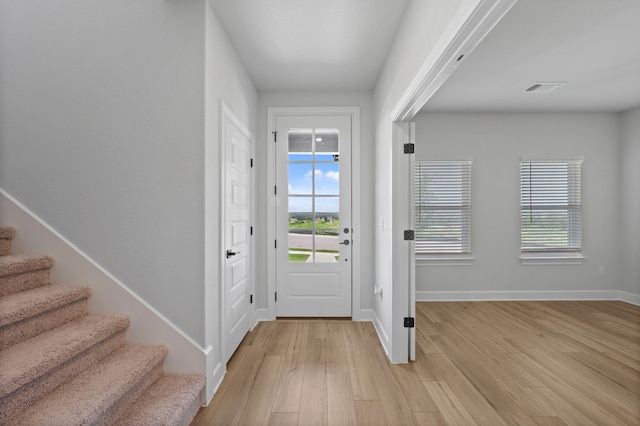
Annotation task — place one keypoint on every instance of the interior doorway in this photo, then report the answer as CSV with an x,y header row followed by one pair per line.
x,y
480,19
237,247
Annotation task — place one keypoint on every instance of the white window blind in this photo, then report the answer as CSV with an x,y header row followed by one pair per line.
x,y
551,207
443,207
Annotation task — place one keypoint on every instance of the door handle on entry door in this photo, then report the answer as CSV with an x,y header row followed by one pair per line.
x,y
345,242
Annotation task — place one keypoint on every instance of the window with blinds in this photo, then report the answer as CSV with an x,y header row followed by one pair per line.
x,y
443,207
551,207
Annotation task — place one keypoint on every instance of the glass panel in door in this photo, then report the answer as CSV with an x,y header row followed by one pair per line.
x,y
313,195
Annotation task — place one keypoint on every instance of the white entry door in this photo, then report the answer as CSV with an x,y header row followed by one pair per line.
x,y
237,245
313,216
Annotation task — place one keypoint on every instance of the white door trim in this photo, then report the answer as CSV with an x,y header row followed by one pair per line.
x,y
474,20
227,114
356,217
410,214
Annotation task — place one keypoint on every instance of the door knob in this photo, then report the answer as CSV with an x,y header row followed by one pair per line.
x,y
231,253
345,242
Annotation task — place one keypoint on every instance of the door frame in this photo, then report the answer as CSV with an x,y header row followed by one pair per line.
x,y
474,20
227,115
354,113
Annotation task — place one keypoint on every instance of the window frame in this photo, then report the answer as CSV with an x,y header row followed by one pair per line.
x,y
447,176
556,199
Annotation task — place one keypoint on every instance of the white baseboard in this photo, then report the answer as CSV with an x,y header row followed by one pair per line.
x,y
468,296
634,299
263,315
366,315
214,380
109,295
370,315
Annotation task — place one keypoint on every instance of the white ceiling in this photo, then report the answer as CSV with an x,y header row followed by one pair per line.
x,y
593,45
311,44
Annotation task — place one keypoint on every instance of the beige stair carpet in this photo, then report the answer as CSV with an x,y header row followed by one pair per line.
x,y
60,365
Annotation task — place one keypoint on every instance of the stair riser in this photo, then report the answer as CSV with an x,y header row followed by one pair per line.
x,y
7,232
60,366
172,400
11,284
134,393
23,397
5,247
193,411
25,329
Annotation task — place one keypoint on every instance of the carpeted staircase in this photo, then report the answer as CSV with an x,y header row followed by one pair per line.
x,y
60,365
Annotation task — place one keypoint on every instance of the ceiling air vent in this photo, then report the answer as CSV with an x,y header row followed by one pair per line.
x,y
543,87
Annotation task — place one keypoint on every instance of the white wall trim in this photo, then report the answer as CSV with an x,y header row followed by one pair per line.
x,y
377,324
402,269
445,261
213,382
263,315
366,315
477,296
634,299
471,24
531,259
110,296
356,212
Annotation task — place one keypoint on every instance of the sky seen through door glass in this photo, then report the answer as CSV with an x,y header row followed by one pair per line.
x,y
327,180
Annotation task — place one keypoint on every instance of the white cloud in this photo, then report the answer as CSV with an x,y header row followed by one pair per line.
x,y
333,175
318,173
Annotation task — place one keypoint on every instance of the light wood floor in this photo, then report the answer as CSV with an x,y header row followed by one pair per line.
x,y
489,363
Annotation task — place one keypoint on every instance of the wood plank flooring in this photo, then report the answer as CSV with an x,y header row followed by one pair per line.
x,y
478,363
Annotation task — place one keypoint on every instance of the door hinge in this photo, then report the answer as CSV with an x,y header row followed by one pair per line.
x,y
409,235
252,162
251,299
276,296
409,148
275,136
251,230
275,244
275,190
409,322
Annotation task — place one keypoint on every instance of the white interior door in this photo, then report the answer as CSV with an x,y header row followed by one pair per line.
x,y
313,216
236,250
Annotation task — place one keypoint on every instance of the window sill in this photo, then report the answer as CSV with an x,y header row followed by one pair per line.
x,y
444,260
552,259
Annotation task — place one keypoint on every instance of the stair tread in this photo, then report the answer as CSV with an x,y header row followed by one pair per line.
x,y
7,232
166,402
19,263
79,372
29,303
85,398
40,354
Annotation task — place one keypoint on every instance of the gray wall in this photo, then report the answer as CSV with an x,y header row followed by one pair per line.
x,y
226,80
630,198
496,143
102,130
421,29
